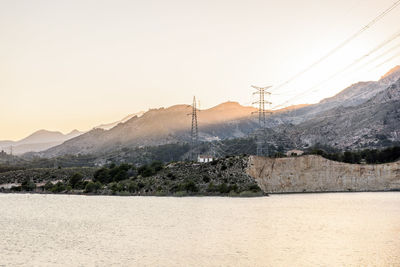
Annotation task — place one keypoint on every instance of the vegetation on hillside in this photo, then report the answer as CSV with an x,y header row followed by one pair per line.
x,y
369,156
222,177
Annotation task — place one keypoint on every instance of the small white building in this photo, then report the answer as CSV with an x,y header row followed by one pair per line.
x,y
204,158
294,152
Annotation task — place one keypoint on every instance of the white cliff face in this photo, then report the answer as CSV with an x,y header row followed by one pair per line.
x,y
316,174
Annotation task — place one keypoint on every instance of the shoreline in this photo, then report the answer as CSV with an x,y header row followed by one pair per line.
x,y
201,196
247,195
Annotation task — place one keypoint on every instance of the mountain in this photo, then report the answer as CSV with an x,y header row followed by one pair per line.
x,y
390,72
38,141
365,114
374,123
353,95
108,126
162,126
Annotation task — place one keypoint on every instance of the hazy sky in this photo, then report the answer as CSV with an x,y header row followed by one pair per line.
x,y
76,64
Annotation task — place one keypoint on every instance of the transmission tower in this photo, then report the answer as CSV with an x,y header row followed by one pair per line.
x,y
194,133
262,148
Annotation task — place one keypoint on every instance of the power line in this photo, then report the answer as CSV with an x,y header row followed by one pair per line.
x,y
387,60
341,45
312,89
378,57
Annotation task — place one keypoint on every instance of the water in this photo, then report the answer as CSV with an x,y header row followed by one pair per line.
x,y
353,229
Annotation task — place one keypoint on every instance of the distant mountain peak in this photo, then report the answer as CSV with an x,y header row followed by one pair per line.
x,y
392,71
45,131
229,104
74,131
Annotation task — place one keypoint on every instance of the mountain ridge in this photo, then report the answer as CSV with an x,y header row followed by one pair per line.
x,y
38,141
300,126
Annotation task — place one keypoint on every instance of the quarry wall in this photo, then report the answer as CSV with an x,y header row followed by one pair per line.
x,y
313,173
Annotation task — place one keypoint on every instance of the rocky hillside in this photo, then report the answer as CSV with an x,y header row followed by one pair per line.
x,y
351,96
374,123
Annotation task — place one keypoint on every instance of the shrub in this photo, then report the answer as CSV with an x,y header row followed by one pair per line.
x,y
120,175
214,162
190,186
156,166
250,194
223,188
211,187
145,171
171,176
48,186
234,188
58,187
133,187
206,179
140,185
16,188
93,187
75,179
254,188
28,185
180,194
102,175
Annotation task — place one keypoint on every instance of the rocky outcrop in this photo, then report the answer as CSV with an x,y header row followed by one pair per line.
x,y
316,174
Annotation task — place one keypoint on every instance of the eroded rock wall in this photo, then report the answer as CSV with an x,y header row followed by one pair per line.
x,y
316,174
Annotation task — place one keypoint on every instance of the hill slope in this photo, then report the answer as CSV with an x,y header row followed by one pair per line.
x,y
375,123
161,126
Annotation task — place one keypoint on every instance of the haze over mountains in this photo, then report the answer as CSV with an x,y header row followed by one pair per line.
x,y
108,126
366,114
44,139
162,126
38,141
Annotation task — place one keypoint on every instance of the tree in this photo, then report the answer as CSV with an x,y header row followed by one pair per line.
x,y
58,187
348,157
48,186
102,176
75,179
93,187
190,186
156,166
145,171
120,175
28,185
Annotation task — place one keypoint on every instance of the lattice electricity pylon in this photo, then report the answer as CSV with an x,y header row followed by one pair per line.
x,y
194,135
262,149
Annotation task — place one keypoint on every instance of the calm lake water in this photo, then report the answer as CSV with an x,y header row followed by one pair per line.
x,y
352,229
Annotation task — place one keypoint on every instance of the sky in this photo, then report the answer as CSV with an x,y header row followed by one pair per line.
x,y
75,64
